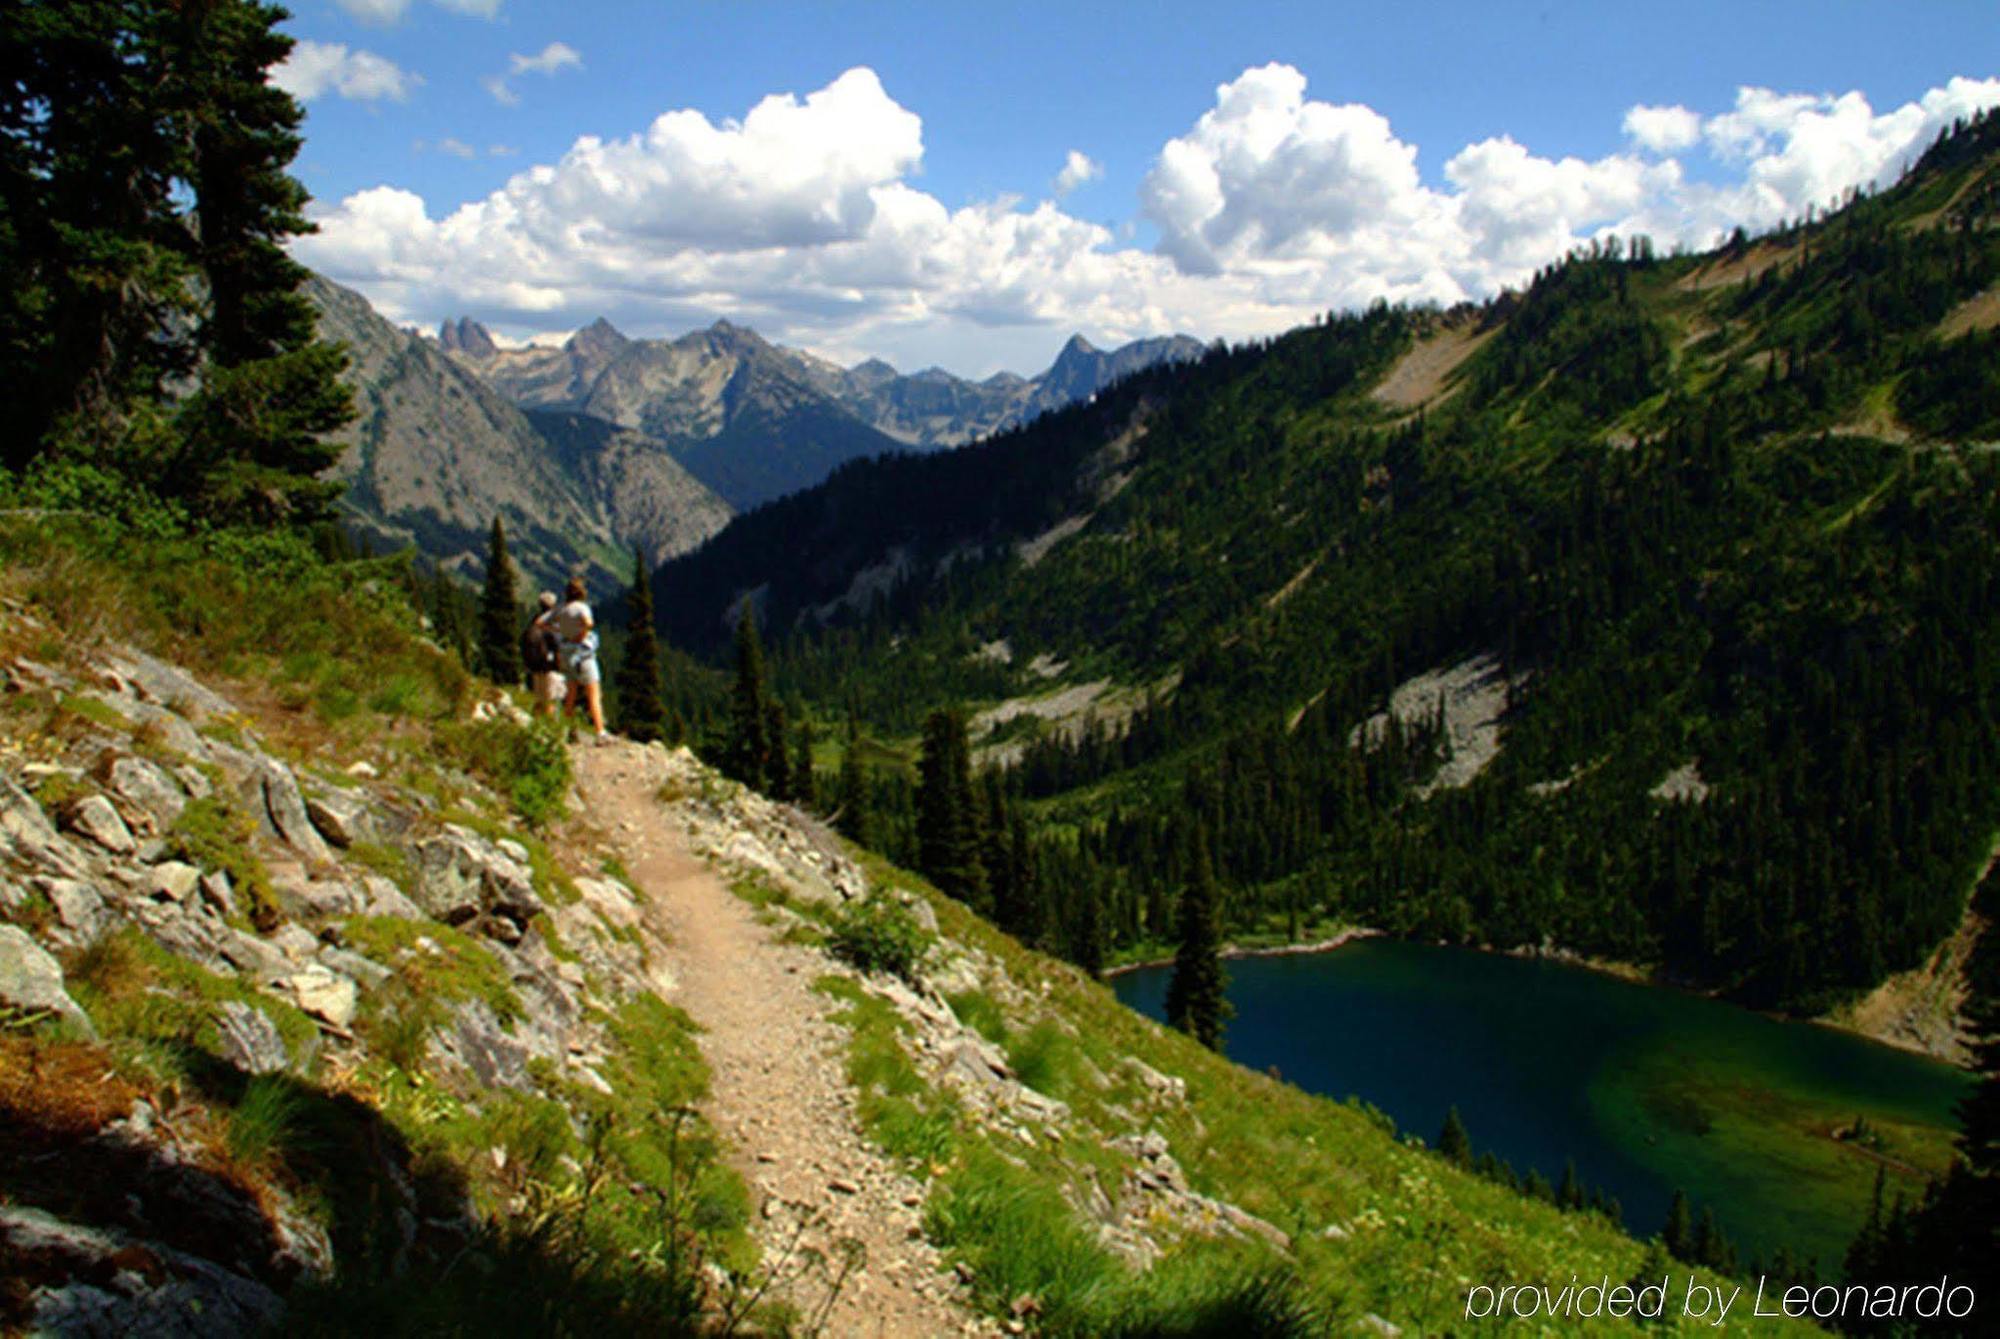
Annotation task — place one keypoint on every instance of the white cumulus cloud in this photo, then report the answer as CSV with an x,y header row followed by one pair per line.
x,y
1663,129
1078,168
314,69
803,219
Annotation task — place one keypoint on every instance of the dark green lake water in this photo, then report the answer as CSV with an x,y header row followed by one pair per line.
x,y
1646,1088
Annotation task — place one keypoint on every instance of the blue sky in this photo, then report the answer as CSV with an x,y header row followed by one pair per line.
x,y
1245,165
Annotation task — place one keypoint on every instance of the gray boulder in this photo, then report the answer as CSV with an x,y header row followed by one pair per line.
x,y
79,907
341,819
249,1039
157,682
463,877
32,980
146,788
476,1041
386,899
94,818
286,808
172,881
218,895
326,995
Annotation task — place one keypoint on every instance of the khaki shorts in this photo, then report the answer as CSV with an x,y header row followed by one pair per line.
x,y
549,686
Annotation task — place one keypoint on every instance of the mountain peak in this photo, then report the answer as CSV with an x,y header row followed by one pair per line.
x,y
466,336
1077,345
599,337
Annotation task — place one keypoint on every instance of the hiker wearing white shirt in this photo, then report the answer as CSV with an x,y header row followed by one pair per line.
x,y
577,628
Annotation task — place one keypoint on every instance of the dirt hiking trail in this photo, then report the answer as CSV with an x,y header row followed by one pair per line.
x,y
779,1095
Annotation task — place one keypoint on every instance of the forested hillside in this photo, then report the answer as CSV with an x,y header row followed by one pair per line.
x,y
1685,568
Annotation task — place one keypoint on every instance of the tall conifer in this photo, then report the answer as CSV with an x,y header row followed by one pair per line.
x,y
1454,1144
642,713
748,750
853,801
1197,1000
948,839
499,611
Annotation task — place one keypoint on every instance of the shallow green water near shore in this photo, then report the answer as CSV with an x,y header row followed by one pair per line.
x,y
1646,1088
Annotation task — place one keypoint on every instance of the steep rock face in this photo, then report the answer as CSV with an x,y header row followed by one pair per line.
x,y
750,420
436,453
650,499
536,377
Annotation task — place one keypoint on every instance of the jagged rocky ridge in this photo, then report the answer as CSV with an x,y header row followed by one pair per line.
x,y
755,420
435,455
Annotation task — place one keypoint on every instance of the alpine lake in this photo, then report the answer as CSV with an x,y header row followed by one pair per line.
x,y
1645,1088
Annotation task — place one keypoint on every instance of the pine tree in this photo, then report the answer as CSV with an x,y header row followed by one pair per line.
x,y
1711,1248
948,837
642,713
805,785
89,242
777,762
256,434
1678,1233
144,207
1454,1144
499,611
1197,1001
854,816
747,754
1569,1191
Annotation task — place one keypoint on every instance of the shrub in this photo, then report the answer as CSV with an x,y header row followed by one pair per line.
x,y
528,763
878,934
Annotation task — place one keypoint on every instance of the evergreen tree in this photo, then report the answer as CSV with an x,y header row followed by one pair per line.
x,y
1197,1001
642,712
499,611
1453,1144
144,207
777,761
87,228
948,836
805,785
1678,1233
256,434
1569,1191
1711,1248
1087,936
854,817
747,755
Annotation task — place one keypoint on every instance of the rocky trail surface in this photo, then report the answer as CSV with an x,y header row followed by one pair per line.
x,y
843,1223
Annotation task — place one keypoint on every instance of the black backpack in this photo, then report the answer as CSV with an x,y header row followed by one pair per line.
x,y
538,648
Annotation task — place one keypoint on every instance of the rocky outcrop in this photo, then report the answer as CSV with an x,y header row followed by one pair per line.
x,y
31,980
109,855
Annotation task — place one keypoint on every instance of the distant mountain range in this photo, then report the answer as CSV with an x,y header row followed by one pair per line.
x,y
754,420
435,455
606,443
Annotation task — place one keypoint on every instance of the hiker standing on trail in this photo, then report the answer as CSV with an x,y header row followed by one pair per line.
x,y
541,655
578,630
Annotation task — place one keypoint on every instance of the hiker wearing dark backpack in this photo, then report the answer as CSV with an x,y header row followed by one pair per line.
x,y
541,655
